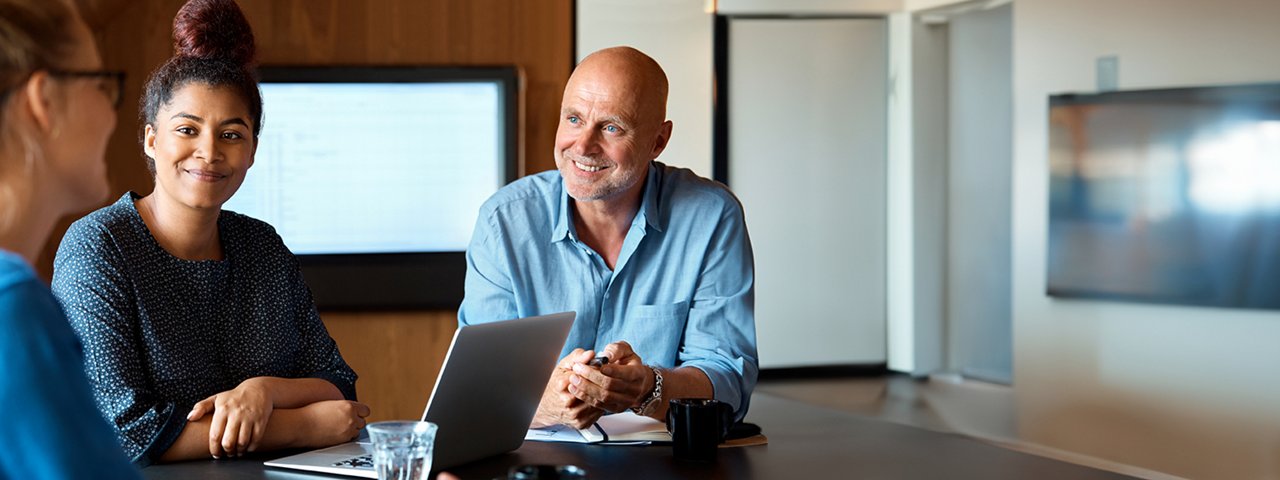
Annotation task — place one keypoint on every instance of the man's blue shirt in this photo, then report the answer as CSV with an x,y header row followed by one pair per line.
x,y
682,292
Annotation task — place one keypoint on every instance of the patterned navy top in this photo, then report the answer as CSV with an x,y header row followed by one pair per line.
x,y
161,333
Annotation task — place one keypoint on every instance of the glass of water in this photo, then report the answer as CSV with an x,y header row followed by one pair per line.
x,y
402,449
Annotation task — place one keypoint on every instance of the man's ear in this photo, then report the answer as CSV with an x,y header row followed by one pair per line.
x,y
664,137
149,141
39,100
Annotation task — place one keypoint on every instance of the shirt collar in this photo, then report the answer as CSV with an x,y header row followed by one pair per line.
x,y
561,229
650,204
649,213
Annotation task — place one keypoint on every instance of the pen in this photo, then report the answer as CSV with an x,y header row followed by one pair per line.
x,y
599,361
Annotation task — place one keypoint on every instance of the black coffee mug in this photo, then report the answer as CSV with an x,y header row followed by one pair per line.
x,y
697,427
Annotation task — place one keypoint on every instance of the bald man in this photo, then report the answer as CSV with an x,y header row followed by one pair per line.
x,y
654,259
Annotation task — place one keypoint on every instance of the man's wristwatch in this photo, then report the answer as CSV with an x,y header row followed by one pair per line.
x,y
652,401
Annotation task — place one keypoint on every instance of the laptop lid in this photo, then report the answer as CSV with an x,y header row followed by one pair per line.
x,y
490,385
482,401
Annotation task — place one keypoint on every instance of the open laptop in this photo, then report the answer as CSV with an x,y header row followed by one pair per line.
x,y
483,400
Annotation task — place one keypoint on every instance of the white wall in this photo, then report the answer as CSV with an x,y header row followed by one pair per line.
x,y
1189,391
979,342
678,34
929,136
815,202
917,177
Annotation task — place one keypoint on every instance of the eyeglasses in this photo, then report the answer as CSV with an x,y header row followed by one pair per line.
x,y
112,85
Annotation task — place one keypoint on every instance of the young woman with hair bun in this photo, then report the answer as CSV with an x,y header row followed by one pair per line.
x,y
57,108
200,336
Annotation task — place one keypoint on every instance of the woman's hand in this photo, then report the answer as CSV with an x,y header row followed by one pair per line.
x,y
333,421
239,418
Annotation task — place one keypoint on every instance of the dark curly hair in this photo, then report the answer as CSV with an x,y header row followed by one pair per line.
x,y
212,45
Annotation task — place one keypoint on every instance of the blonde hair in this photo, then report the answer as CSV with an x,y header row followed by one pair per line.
x,y
34,35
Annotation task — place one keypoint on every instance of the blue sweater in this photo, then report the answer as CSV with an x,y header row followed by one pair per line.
x,y
50,428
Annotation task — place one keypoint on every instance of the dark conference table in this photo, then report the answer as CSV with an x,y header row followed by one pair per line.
x,y
804,442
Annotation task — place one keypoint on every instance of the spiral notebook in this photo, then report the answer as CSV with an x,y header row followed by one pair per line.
x,y
617,429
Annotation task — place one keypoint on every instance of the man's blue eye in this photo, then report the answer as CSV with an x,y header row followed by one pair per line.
x,y
573,119
611,129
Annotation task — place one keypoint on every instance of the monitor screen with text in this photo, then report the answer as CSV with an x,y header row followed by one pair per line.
x,y
369,168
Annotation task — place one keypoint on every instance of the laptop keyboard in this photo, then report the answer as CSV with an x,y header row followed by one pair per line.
x,y
364,462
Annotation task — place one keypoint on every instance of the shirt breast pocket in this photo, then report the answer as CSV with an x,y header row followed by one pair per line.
x,y
655,331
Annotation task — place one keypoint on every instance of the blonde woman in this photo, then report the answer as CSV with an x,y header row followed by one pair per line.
x,y
57,108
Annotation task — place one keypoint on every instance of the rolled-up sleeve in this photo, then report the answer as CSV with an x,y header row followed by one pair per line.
x,y
320,357
720,335
90,282
490,295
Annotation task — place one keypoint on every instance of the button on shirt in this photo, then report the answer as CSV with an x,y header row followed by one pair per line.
x,y
681,292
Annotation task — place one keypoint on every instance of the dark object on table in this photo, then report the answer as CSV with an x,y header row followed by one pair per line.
x,y
697,427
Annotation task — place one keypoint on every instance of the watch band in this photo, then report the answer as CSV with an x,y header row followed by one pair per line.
x,y
650,404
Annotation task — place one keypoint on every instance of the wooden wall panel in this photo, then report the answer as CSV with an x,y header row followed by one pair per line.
x,y
396,354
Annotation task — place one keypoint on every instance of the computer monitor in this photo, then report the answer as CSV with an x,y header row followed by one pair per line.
x,y
373,176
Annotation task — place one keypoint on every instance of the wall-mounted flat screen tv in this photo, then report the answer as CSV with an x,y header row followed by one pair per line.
x,y
1166,196
373,176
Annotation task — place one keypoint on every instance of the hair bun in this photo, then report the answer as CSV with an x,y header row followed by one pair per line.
x,y
213,29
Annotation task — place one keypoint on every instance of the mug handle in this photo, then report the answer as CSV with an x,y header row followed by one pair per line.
x,y
671,419
725,420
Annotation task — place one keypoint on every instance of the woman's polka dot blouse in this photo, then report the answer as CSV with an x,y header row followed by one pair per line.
x,y
161,333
